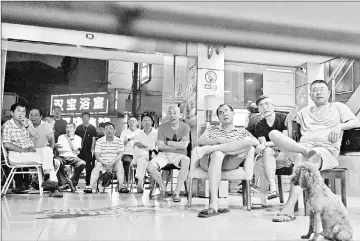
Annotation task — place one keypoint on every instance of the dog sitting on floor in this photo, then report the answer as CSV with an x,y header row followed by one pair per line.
x,y
326,210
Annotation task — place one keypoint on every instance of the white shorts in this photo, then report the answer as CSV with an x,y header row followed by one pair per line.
x,y
165,158
329,161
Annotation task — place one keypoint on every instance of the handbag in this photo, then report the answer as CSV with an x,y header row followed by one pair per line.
x,y
351,141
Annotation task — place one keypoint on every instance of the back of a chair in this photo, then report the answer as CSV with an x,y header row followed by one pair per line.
x,y
5,153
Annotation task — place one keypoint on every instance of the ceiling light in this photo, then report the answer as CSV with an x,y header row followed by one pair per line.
x,y
249,80
280,70
227,91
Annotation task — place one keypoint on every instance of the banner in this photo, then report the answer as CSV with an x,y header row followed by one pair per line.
x,y
94,103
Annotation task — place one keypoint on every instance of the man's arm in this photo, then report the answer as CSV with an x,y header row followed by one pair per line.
x,y
181,145
162,146
99,159
51,140
206,141
11,147
117,158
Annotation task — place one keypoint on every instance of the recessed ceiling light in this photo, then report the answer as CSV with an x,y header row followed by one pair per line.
x,y
227,91
249,80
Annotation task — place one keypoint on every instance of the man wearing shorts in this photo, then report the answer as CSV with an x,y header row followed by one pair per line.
x,y
271,158
322,126
224,147
172,141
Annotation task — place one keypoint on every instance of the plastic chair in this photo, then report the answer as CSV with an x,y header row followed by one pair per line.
x,y
15,170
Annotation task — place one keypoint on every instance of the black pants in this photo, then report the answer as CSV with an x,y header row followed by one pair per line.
x,y
126,160
63,175
90,164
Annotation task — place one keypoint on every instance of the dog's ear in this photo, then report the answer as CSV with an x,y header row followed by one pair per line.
x,y
301,176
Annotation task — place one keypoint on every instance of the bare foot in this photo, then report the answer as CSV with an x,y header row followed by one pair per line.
x,y
313,156
200,152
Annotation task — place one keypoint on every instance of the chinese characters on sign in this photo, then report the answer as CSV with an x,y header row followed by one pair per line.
x,y
95,103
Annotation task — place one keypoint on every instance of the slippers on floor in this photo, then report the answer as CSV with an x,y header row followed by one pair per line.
x,y
223,210
207,213
273,195
279,218
257,206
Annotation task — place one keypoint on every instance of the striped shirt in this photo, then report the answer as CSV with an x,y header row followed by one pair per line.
x,y
237,133
109,150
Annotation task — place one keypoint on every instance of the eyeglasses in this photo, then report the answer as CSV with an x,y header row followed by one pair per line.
x,y
266,104
226,111
319,90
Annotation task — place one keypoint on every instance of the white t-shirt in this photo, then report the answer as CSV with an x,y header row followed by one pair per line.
x,y
66,150
44,129
145,139
129,147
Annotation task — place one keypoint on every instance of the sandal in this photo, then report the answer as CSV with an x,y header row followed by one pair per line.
x,y
123,190
207,213
279,218
273,195
223,210
257,206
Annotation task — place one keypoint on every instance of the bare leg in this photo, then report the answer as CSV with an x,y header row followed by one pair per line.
x,y
214,172
120,174
95,173
185,162
156,175
234,146
270,167
286,144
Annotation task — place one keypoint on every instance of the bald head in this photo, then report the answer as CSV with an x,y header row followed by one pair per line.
x,y
174,114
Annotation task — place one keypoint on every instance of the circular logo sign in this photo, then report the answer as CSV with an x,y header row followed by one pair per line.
x,y
210,77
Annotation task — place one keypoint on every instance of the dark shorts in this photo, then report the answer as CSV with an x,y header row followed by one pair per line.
x,y
230,162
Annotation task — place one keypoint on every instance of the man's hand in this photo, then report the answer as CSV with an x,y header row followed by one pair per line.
x,y
30,149
25,122
108,167
58,146
335,133
260,148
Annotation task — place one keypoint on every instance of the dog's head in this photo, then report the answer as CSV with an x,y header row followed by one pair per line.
x,y
303,175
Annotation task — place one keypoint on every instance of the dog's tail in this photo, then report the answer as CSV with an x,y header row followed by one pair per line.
x,y
341,234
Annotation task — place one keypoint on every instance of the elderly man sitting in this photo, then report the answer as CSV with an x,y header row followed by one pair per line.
x,y
223,148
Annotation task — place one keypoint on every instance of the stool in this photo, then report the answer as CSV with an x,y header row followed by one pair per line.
x,y
333,174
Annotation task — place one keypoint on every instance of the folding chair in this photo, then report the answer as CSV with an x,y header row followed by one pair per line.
x,y
15,170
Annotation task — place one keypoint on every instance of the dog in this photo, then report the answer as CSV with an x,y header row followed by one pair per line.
x,y
326,210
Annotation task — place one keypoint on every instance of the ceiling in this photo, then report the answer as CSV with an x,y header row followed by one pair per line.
x,y
314,28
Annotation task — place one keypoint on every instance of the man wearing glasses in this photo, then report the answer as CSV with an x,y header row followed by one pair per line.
x,y
322,126
271,157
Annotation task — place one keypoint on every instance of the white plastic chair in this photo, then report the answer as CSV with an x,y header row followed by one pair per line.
x,y
15,169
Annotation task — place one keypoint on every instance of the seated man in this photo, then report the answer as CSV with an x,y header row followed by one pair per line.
x,y
108,152
322,126
17,137
271,158
145,141
223,148
172,141
69,146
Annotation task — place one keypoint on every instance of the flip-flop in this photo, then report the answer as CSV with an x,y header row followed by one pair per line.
x,y
273,195
257,206
280,218
207,213
223,210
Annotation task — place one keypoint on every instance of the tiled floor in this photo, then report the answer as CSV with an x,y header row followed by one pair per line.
x,y
106,216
